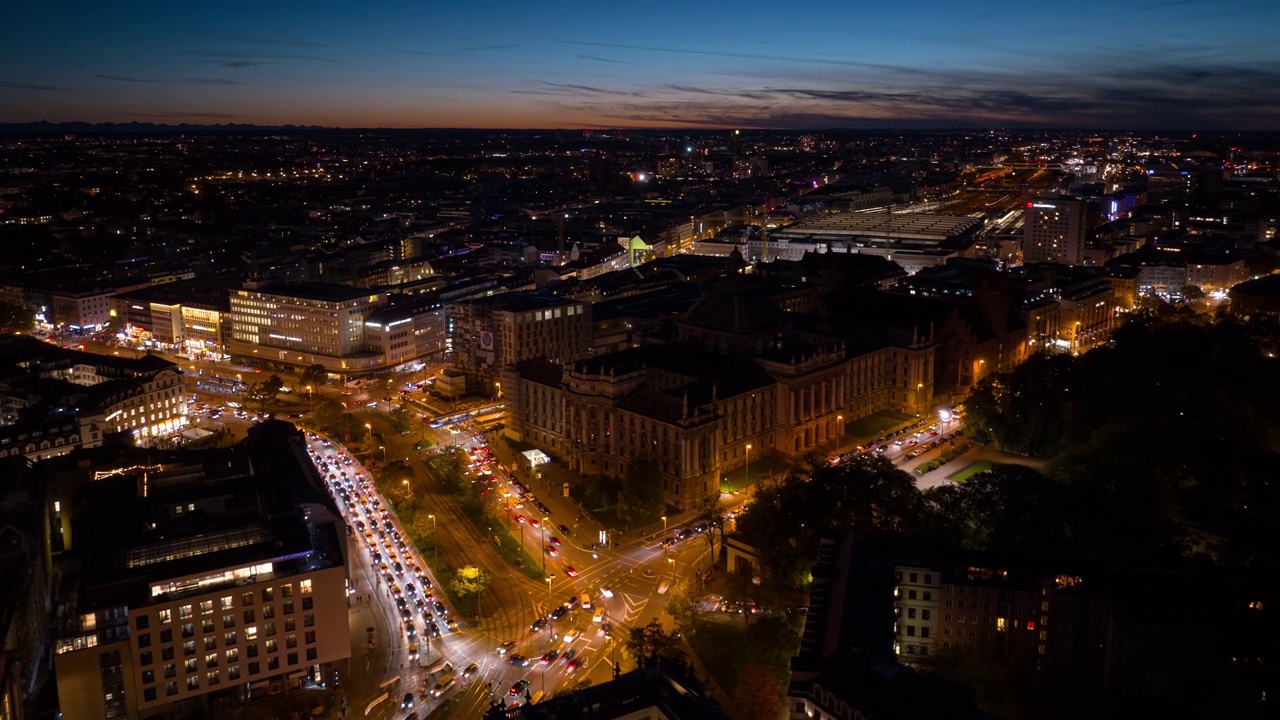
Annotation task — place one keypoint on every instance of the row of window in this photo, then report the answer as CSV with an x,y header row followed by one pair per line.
x,y
226,602
213,678
188,630
146,658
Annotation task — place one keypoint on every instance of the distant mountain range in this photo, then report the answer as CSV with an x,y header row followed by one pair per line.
x,y
45,126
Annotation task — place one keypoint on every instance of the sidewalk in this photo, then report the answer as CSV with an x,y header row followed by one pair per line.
x,y
978,453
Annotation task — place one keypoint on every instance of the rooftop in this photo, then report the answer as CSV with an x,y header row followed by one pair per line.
x,y
324,292
926,229
248,505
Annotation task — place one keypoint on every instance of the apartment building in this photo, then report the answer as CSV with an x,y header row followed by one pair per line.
x,y
226,580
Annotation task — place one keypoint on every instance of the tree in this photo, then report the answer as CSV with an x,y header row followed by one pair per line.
x,y
651,646
265,391
682,605
421,528
757,695
712,517
1192,292
330,419
468,584
786,521
16,317
641,498
1006,506
315,376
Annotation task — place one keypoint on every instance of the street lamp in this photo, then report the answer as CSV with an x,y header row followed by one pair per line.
x,y
369,428
748,470
548,579
664,523
383,448
312,397
435,544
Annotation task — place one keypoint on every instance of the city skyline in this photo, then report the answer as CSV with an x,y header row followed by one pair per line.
x,y
1179,65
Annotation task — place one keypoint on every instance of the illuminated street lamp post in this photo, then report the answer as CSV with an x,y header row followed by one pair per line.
x,y
747,480
369,428
435,544
664,523
543,528
311,395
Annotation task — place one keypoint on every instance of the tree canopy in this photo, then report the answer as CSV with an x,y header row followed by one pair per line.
x,y
651,646
641,498
313,375
16,317
468,584
787,520
265,392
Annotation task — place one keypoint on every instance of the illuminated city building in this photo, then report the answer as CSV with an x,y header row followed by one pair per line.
x,y
303,325
1054,231
53,400
225,580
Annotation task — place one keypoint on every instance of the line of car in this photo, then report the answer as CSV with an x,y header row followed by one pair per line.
x,y
392,557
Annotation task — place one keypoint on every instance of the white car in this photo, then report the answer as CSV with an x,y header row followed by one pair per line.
x,y
606,592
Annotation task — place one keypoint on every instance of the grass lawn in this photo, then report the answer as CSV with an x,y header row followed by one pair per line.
x,y
608,517
970,470
875,423
761,468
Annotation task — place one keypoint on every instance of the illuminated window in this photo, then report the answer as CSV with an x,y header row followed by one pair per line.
x,y
1001,624
185,612
165,616
206,607
251,632
226,602
304,586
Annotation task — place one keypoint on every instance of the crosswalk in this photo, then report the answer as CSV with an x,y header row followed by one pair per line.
x,y
633,606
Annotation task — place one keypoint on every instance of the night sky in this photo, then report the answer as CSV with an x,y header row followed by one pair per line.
x,y
1141,64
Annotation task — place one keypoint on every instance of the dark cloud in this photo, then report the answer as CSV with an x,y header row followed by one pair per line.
x,y
781,58
597,58
574,89
274,42
1174,95
33,86
212,81
233,56
127,79
179,115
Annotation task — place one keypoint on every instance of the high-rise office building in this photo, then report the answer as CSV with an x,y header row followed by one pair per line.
x,y
304,324
1054,231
